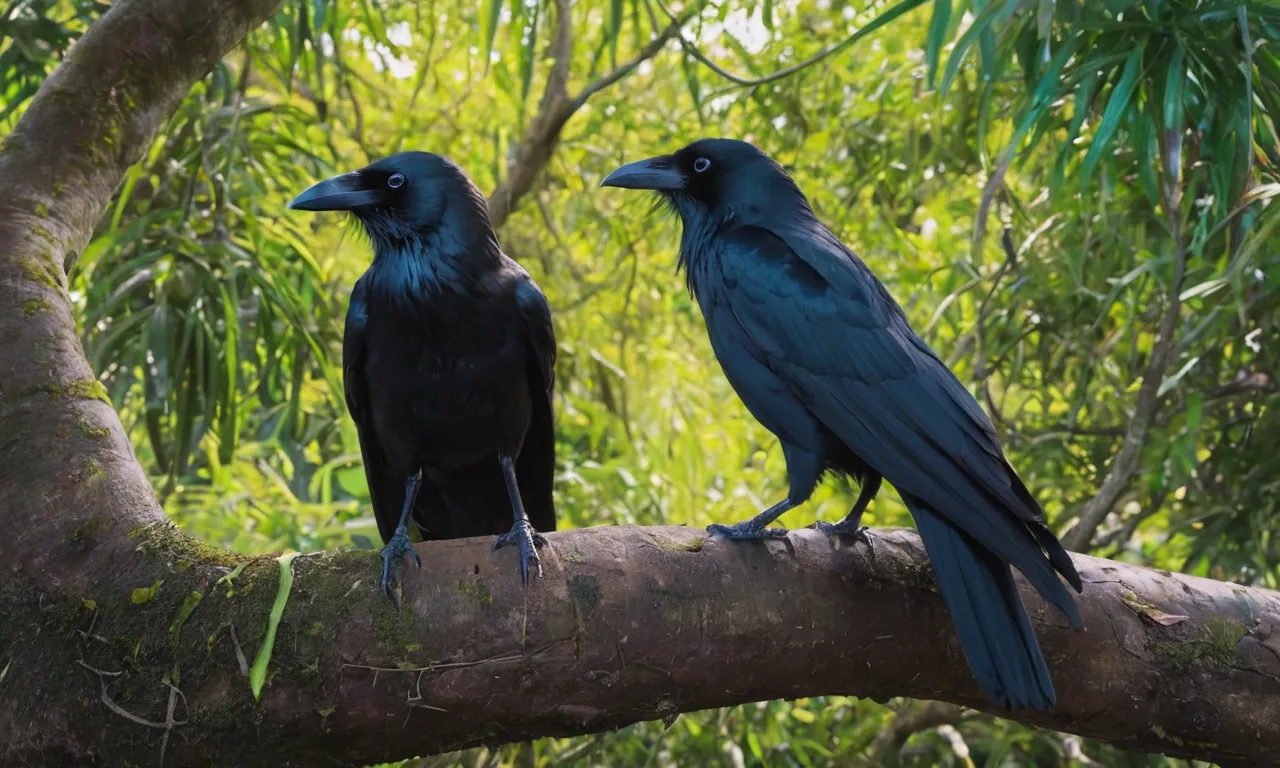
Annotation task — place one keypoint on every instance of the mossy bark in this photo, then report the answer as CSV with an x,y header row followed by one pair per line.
x,y
126,643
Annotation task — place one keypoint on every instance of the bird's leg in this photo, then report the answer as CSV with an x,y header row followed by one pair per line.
x,y
399,546
755,528
851,525
521,532
803,469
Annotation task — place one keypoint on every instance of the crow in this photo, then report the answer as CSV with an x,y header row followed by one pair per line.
x,y
448,362
824,358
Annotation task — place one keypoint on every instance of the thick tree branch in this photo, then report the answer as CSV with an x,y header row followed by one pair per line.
x,y
628,624
65,462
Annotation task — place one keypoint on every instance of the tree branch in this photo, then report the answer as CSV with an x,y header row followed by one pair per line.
x,y
65,462
532,154
628,624
880,21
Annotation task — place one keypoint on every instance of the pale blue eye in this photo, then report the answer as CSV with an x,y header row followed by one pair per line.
x,y
396,180
701,164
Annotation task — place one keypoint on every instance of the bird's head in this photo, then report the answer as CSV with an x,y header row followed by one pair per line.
x,y
410,195
718,178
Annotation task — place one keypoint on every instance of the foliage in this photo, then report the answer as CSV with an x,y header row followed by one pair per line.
x,y
1105,146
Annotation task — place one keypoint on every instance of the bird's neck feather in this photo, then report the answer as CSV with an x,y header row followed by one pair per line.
x,y
413,264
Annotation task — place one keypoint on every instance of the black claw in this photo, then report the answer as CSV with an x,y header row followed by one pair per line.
x,y
844,528
529,540
398,547
744,532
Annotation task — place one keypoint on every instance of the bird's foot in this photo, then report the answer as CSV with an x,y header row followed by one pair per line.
x,y
847,528
522,533
398,547
746,531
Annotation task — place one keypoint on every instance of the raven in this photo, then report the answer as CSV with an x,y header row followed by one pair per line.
x,y
823,357
447,361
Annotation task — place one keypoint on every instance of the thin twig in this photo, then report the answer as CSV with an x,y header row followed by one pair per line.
x,y
693,51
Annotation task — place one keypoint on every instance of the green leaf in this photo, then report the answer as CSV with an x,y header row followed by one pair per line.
x,y
1145,146
1114,113
766,14
613,27
937,37
1079,111
490,13
1195,411
258,673
1044,19
983,20
528,55
185,610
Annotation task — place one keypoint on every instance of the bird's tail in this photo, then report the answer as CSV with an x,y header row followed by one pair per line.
x,y
993,627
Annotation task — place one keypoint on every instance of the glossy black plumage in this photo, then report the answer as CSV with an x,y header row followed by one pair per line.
x,y
824,357
448,359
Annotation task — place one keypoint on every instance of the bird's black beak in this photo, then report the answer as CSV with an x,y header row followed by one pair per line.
x,y
339,193
658,173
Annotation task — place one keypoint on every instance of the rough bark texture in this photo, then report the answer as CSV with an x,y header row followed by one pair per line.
x,y
628,624
125,643
65,463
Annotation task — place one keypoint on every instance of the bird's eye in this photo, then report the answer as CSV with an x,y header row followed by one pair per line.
x,y
395,180
701,165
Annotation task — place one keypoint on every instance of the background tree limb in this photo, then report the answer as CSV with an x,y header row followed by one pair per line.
x,y
531,155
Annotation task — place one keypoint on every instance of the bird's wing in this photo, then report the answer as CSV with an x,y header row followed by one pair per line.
x,y
826,324
386,491
535,467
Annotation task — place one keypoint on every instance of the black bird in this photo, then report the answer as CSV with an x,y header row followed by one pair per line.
x,y
447,361
823,356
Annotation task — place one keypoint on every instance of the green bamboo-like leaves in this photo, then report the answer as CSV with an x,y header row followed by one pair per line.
x,y
1117,106
938,29
490,15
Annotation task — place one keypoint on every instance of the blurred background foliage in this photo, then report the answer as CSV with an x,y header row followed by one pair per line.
x,y
1070,198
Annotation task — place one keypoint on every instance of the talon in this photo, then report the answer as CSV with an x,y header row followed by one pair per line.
x,y
398,547
523,534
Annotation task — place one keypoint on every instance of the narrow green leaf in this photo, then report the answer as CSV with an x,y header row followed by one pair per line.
x,y
1114,113
766,14
1079,111
1144,142
1028,46
983,21
258,673
490,13
937,37
1044,19
986,48
528,55
1195,411
613,29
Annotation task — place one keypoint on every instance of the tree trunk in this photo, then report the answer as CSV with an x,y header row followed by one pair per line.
x,y
126,643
